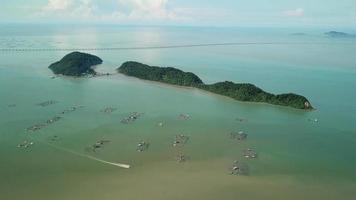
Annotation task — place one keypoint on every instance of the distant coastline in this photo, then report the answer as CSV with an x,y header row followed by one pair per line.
x,y
337,34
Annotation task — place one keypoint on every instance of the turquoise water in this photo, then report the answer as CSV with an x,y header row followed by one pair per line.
x,y
298,159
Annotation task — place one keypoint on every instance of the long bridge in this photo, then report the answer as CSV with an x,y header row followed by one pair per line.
x,y
157,47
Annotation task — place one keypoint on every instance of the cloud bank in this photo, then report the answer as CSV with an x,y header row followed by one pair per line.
x,y
55,5
130,12
123,10
299,12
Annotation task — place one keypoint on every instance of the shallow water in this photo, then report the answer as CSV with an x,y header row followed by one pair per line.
x,y
298,159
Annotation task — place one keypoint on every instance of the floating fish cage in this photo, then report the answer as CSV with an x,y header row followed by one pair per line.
x,y
108,110
25,144
97,145
181,158
239,168
142,146
180,140
71,109
47,103
238,135
249,153
131,118
184,116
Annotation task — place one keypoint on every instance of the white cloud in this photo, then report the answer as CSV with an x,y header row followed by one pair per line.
x,y
145,5
68,9
55,5
127,11
159,10
85,9
202,13
299,12
146,10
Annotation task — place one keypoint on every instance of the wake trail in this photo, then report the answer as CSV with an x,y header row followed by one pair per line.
x,y
84,155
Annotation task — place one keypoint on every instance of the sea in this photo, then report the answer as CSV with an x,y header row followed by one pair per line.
x,y
301,154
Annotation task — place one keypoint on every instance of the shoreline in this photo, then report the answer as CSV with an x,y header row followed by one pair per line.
x,y
214,94
180,87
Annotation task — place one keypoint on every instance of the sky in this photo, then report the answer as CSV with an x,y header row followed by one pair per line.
x,y
283,13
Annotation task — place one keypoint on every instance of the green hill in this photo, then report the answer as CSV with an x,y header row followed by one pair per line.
x,y
76,64
237,91
251,93
168,75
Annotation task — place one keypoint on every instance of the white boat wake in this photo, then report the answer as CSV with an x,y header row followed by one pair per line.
x,y
125,166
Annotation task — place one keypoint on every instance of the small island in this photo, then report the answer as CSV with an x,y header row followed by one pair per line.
x,y
237,91
251,93
336,34
76,64
168,75
298,34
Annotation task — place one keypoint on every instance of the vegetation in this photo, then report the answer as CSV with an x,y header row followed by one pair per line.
x,y
241,92
76,64
249,92
168,75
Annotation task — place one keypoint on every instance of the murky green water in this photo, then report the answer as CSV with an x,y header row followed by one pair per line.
x,y
298,159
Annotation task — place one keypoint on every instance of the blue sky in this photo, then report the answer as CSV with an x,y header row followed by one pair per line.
x,y
183,12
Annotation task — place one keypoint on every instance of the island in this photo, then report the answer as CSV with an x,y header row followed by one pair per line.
x,y
168,75
336,34
249,92
238,91
76,64
298,34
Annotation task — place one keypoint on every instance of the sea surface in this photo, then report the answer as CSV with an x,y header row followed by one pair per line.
x,y
301,154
